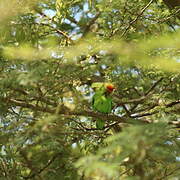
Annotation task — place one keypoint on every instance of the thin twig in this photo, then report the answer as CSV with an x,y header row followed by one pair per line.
x,y
57,30
154,85
42,169
170,173
139,15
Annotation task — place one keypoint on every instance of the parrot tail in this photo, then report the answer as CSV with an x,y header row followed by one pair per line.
x,y
100,124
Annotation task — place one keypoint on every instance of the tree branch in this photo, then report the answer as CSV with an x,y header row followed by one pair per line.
x,y
168,174
57,30
153,86
155,112
65,111
172,4
88,26
139,15
43,168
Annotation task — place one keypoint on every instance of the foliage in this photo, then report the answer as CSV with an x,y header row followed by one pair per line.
x,y
51,55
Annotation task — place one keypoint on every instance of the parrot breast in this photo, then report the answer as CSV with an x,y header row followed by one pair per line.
x,y
102,104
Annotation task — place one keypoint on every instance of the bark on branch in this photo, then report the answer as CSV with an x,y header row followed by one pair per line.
x,y
172,4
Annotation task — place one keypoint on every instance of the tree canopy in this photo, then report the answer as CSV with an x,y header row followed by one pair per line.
x,y
51,53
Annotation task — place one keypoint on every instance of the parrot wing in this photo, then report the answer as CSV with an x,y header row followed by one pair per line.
x,y
102,104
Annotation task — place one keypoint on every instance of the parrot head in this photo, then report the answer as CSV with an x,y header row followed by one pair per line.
x,y
104,87
109,88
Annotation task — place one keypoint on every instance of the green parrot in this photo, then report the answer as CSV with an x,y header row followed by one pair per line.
x,y
102,101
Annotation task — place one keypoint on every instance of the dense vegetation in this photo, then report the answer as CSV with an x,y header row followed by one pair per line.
x,y
51,52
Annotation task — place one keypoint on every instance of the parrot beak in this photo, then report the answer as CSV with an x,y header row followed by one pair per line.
x,y
110,88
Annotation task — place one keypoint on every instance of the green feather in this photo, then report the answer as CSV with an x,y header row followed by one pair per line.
x,y
100,124
101,103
